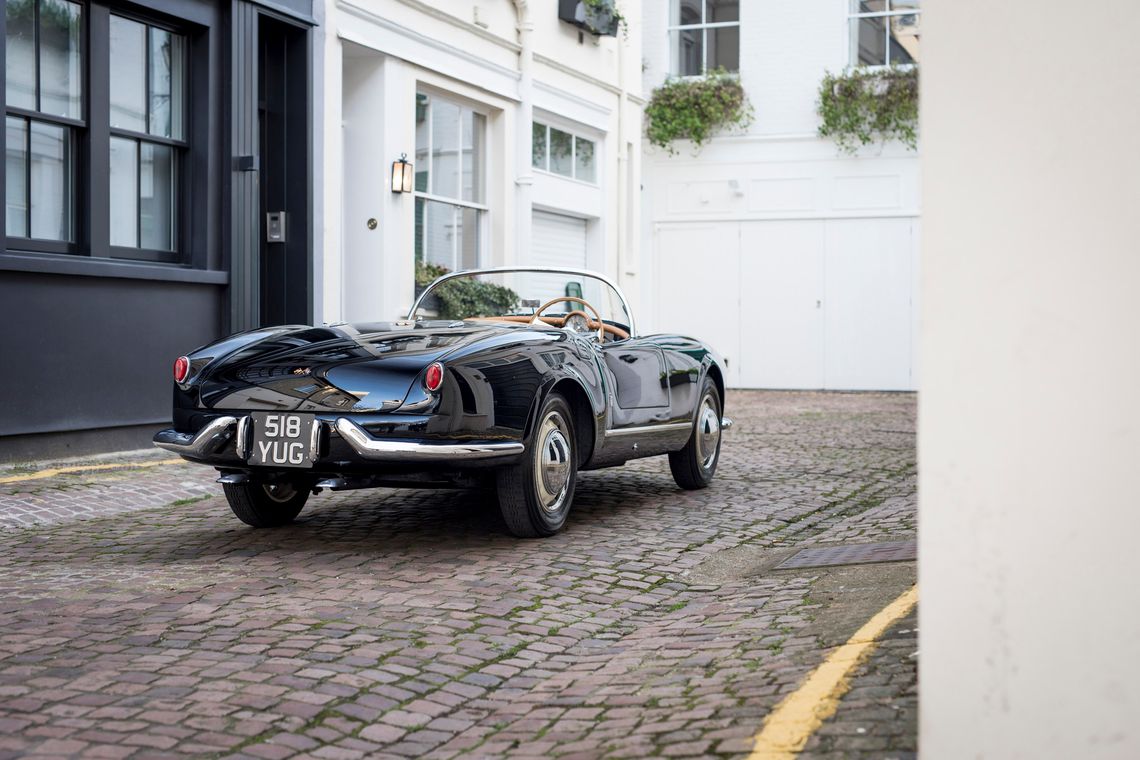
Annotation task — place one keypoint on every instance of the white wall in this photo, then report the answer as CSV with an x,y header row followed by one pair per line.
x,y
845,282
378,52
1029,417
785,47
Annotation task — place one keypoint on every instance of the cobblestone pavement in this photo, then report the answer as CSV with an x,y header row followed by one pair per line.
x,y
403,623
878,718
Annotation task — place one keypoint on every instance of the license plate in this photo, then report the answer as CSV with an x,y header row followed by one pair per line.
x,y
281,440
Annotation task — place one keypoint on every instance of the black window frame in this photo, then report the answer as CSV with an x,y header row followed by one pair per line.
x,y
77,127
197,156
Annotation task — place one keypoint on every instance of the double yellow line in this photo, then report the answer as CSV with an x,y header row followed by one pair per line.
x,y
787,728
41,474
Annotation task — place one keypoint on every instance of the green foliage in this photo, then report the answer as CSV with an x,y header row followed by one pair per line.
x,y
466,297
426,273
695,108
862,105
604,17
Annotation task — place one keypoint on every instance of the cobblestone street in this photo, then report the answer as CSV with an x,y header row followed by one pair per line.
x,y
139,618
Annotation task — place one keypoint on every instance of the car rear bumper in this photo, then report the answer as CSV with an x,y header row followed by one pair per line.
x,y
209,440
216,440
388,450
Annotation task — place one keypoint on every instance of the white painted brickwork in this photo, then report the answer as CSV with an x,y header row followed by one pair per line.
x,y
378,54
833,236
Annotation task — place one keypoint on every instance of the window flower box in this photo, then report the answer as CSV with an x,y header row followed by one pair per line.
x,y
600,17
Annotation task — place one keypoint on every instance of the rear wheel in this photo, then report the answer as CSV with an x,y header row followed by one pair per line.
x,y
693,467
535,495
266,505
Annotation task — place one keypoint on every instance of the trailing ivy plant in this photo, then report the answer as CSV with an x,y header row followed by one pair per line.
x,y
860,106
695,108
604,17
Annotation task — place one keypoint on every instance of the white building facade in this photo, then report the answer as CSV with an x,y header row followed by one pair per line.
x,y
523,131
798,262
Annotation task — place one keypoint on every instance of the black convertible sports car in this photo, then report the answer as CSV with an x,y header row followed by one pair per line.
x,y
517,376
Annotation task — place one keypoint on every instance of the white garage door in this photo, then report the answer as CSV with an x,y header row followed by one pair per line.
x,y
796,304
558,241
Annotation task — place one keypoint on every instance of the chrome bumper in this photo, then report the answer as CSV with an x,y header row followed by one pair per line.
x,y
725,423
203,443
380,449
219,431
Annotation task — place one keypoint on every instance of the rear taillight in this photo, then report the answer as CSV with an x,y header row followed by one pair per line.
x,y
433,378
181,369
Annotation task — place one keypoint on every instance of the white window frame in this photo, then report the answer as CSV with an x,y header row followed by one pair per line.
x,y
703,28
481,209
575,137
853,18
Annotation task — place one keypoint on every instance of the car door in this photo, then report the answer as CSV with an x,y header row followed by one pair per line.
x,y
639,391
684,364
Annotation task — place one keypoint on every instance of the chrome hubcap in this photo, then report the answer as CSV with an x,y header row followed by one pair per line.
x,y
552,470
708,432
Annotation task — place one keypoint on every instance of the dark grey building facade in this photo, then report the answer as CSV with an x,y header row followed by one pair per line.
x,y
146,145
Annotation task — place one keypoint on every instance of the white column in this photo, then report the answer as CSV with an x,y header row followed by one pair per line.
x,y
1029,415
327,177
379,125
524,180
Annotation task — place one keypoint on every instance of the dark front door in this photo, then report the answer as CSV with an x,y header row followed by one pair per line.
x,y
641,393
283,126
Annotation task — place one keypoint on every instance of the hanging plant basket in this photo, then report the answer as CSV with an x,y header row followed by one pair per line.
x,y
601,17
864,106
696,108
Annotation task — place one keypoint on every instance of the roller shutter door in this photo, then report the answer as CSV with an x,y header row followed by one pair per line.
x,y
558,241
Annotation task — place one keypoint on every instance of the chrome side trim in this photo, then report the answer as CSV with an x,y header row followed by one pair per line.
x,y
420,451
725,423
672,427
205,441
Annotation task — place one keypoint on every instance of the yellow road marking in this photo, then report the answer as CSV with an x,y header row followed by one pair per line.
x,y
83,468
788,727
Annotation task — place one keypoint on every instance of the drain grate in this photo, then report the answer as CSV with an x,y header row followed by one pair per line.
x,y
852,554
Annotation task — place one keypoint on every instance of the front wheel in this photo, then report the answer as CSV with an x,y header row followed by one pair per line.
x,y
266,505
693,467
535,494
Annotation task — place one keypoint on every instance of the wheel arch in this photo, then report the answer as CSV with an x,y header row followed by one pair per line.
x,y
714,372
585,422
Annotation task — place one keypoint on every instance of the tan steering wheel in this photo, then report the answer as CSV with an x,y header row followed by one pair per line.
x,y
573,299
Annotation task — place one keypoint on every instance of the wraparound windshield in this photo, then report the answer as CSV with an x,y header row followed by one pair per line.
x,y
490,293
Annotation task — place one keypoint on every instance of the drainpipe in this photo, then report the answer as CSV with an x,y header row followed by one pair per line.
x,y
623,171
524,176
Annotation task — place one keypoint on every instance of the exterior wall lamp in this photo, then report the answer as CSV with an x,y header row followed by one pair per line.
x,y
402,175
